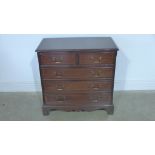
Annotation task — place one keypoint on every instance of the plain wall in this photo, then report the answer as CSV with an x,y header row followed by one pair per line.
x,y
135,69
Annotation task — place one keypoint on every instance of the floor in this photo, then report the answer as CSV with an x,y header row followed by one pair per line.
x,y
129,106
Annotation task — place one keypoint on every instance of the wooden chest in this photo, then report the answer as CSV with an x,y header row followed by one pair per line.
x,y
77,74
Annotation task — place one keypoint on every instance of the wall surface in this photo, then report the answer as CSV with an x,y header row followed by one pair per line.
x,y
19,71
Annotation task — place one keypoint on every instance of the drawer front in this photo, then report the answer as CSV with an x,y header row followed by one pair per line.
x,y
76,73
58,86
78,99
97,58
61,58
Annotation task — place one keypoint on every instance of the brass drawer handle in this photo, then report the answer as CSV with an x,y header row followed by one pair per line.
x,y
60,98
58,74
57,60
95,87
97,73
97,60
60,87
97,98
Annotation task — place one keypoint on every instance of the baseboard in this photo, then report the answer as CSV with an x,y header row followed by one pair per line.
x,y
119,85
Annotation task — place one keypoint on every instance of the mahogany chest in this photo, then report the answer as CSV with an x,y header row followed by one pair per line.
x,y
77,74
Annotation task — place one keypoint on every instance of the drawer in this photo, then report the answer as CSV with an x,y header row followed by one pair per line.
x,y
97,58
76,73
61,58
59,86
78,99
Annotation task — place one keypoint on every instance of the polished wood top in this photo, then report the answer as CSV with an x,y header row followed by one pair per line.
x,y
76,43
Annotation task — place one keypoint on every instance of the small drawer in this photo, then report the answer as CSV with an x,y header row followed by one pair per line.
x,y
76,73
97,58
59,86
78,99
60,58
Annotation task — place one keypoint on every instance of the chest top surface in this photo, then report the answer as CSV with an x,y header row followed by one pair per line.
x,y
76,43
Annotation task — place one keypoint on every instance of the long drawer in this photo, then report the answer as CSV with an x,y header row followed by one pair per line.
x,y
76,73
59,86
78,99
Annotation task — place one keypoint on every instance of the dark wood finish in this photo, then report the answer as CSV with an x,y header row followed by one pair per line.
x,y
61,58
78,43
77,99
47,108
97,58
59,86
77,74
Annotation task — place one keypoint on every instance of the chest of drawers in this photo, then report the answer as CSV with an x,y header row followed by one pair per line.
x,y
77,74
